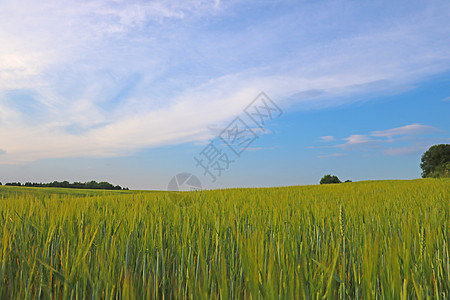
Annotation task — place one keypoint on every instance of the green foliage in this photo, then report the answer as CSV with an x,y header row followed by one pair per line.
x,y
436,161
364,240
441,171
329,179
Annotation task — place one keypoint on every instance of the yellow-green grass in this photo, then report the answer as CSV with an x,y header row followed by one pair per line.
x,y
363,240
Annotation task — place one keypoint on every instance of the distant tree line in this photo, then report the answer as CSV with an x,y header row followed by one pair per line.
x,y
94,185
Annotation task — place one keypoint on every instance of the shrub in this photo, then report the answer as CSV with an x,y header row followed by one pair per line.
x,y
329,179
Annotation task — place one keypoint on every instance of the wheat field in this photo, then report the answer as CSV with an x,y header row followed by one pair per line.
x,y
362,240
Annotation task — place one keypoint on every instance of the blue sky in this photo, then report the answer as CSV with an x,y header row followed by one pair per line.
x,y
131,91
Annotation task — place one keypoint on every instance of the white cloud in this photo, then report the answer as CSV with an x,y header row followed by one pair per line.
x,y
260,148
109,78
330,155
407,150
358,139
413,129
416,136
327,138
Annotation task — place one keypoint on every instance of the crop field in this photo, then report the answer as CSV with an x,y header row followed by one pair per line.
x,y
363,240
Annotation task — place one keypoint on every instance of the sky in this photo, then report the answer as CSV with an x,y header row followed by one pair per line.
x,y
135,92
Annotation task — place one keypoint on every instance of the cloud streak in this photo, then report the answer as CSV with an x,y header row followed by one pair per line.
x,y
413,129
417,138
330,155
327,139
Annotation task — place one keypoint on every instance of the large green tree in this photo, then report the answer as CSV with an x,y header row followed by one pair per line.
x,y
436,161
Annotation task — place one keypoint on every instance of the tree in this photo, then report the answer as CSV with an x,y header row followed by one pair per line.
x,y
329,179
436,161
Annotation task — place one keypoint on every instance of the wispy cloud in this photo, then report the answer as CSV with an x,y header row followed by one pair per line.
x,y
446,99
413,129
260,148
358,141
407,150
109,78
327,138
418,138
330,155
